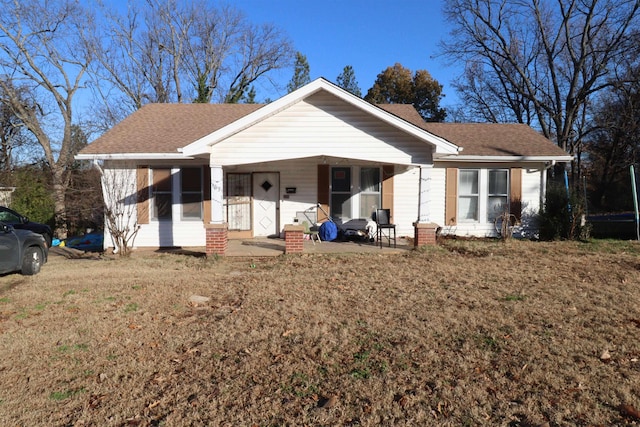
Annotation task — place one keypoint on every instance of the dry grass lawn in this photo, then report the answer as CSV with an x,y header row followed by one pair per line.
x,y
467,333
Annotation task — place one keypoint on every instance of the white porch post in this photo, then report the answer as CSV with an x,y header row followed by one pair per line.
x,y
424,213
217,195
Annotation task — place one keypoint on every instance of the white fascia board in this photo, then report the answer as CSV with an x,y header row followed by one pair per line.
x,y
498,159
133,156
201,146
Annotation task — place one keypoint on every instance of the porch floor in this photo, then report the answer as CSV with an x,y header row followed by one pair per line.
x,y
262,246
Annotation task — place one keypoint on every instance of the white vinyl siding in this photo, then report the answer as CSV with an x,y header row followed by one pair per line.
x,y
321,125
406,183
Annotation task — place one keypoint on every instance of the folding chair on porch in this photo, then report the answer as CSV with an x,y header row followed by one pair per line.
x,y
385,227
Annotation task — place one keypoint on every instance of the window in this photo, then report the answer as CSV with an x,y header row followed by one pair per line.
x,y
191,193
341,193
483,194
498,200
468,209
161,194
369,191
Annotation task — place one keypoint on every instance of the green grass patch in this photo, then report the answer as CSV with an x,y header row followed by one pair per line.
x,y
65,394
131,307
64,348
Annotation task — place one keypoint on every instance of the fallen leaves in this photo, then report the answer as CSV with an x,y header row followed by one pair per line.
x,y
328,402
629,412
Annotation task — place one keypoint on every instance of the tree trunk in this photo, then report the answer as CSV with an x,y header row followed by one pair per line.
x,y
59,192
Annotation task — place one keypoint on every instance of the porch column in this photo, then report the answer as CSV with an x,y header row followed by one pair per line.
x,y
293,239
424,213
425,231
217,195
217,233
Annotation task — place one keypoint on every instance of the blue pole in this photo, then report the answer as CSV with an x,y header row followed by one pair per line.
x,y
635,199
566,186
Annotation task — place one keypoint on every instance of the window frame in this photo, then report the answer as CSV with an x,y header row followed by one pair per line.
x,y
198,193
377,193
163,192
342,194
476,196
491,216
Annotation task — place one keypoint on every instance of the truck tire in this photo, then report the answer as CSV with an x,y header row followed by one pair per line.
x,y
32,261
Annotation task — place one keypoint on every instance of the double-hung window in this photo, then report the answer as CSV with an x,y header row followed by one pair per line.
x,y
369,191
483,194
161,194
191,193
179,187
341,193
468,195
498,197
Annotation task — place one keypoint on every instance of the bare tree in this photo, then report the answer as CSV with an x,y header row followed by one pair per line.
x,y
119,192
12,136
170,51
41,50
539,61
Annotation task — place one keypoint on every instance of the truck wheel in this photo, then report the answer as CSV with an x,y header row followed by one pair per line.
x,y
32,261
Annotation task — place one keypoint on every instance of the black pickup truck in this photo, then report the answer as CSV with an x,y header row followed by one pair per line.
x,y
21,250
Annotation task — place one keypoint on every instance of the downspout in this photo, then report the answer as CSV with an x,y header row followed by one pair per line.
x,y
544,182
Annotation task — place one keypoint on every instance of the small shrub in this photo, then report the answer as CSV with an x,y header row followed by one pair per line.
x,y
562,216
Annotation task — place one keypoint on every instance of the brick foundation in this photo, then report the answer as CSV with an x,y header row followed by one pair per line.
x,y
293,239
217,239
425,234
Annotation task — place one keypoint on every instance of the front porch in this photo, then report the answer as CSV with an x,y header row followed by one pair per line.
x,y
276,246
294,242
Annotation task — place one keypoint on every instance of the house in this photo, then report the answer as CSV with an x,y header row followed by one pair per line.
x,y
247,170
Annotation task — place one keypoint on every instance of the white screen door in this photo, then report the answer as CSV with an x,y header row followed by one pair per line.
x,y
266,192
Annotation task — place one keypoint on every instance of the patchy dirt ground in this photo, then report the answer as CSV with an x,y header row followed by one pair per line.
x,y
468,333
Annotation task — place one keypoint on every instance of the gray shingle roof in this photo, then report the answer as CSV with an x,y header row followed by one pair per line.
x,y
483,139
163,128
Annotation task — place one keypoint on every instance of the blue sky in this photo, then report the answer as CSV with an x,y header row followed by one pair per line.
x,y
369,35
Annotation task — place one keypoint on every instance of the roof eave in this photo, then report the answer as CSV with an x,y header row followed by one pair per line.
x,y
132,156
504,159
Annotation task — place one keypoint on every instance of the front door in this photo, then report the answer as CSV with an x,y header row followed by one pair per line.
x,y
266,194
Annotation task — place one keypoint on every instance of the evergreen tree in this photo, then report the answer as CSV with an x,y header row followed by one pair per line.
x,y
347,81
300,73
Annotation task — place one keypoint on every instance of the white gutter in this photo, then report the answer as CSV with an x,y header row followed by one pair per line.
x,y
133,156
495,159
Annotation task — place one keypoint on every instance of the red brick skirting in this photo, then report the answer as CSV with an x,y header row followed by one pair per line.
x,y
293,239
425,234
217,239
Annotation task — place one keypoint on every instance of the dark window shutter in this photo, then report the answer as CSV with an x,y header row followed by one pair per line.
x,y
142,184
387,188
323,192
451,197
515,193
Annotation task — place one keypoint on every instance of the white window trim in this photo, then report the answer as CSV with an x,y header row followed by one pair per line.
x,y
507,194
483,194
152,208
179,195
461,219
